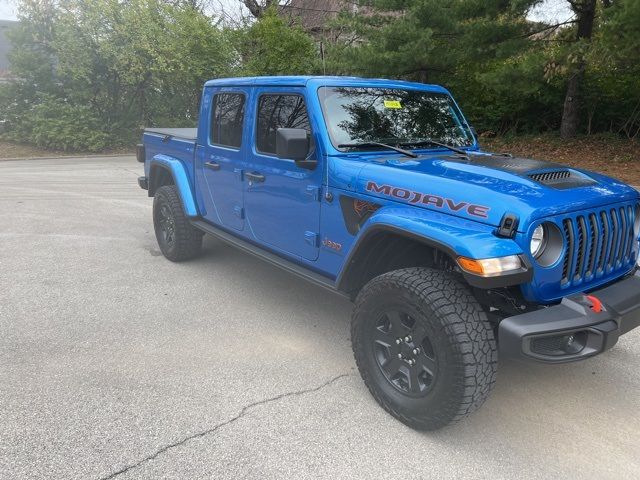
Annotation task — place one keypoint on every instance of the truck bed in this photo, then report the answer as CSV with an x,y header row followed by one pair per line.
x,y
176,143
182,133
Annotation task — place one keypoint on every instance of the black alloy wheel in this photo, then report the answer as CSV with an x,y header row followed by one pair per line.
x,y
405,353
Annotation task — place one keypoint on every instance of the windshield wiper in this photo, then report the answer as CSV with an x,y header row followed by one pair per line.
x,y
428,141
378,144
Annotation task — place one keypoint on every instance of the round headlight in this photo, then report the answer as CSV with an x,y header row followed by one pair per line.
x,y
537,241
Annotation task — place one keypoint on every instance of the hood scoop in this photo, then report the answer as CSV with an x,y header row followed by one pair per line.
x,y
549,177
561,178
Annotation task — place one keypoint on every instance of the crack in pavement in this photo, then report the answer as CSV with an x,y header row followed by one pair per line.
x,y
213,429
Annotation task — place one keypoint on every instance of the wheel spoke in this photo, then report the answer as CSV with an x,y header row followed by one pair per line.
x,y
414,381
395,324
418,333
426,363
392,366
384,338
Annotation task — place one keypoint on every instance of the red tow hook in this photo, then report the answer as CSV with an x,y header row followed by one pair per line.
x,y
596,304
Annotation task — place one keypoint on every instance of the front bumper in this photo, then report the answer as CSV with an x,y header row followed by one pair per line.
x,y
573,330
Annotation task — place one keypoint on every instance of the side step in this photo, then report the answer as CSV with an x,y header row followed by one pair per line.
x,y
267,256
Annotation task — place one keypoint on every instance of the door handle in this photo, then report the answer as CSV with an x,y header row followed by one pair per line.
x,y
255,177
212,165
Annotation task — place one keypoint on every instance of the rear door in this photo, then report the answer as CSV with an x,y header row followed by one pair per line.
x,y
219,158
282,200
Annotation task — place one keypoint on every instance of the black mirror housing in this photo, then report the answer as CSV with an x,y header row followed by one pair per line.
x,y
293,144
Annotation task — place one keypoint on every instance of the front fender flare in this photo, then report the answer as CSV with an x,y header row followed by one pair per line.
x,y
180,179
454,236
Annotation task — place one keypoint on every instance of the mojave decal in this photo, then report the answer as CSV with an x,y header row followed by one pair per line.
x,y
428,199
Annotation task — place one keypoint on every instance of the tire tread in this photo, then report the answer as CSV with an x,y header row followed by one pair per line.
x,y
188,238
463,320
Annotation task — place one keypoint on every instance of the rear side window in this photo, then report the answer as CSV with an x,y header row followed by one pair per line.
x,y
279,111
226,119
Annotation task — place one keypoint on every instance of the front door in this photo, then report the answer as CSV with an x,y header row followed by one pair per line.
x,y
219,160
282,200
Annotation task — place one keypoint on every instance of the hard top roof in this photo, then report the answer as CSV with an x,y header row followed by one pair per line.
x,y
318,81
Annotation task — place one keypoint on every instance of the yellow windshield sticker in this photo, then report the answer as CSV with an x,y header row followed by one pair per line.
x,y
392,104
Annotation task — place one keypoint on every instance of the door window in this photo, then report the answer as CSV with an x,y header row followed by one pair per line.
x,y
226,119
279,111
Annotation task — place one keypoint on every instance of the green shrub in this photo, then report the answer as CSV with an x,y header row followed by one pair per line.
x,y
57,125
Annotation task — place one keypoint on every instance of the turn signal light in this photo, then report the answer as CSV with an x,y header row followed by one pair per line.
x,y
488,267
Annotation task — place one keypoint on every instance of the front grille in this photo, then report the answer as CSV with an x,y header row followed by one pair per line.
x,y
598,243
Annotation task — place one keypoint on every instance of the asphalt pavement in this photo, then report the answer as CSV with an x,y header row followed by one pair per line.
x,y
116,363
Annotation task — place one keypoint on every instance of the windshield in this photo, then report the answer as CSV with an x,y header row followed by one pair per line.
x,y
361,114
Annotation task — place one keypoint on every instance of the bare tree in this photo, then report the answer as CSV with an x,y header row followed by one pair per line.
x,y
585,11
258,7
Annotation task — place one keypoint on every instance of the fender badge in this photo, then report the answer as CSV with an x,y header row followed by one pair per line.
x,y
331,244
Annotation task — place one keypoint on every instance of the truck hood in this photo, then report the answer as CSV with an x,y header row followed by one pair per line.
x,y
483,186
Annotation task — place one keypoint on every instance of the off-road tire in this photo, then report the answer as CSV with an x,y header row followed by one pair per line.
x,y
462,339
186,240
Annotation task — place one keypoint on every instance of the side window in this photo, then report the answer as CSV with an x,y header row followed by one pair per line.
x,y
226,119
279,111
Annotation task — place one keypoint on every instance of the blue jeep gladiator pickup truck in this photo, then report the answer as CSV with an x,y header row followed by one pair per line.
x,y
378,190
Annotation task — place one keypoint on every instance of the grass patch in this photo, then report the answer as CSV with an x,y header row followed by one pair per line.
x,y
16,150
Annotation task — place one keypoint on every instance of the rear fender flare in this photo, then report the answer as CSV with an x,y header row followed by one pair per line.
x,y
180,179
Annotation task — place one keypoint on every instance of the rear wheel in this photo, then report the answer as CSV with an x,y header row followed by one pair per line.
x,y
177,238
424,346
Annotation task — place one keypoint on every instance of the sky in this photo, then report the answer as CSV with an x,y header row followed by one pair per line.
x,y
548,10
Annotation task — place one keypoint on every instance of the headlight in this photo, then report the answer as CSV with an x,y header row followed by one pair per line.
x,y
490,267
546,244
537,241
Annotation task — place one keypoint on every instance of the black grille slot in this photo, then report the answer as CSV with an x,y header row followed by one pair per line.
x,y
630,221
624,234
605,241
598,243
568,235
615,237
547,177
548,345
594,234
577,272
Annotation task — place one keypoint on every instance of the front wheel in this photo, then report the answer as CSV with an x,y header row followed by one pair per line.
x,y
177,238
424,346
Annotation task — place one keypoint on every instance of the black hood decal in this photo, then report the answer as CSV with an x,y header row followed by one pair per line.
x,y
517,165
547,173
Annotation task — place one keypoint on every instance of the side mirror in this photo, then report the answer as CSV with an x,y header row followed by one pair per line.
x,y
293,144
